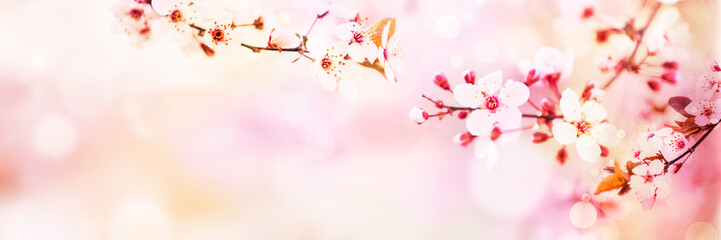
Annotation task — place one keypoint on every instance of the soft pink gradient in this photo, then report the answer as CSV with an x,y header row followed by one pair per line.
x,y
103,140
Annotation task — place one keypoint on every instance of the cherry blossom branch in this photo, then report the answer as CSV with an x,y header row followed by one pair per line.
x,y
257,49
629,62
450,109
691,149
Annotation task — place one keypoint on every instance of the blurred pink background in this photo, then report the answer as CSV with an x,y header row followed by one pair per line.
x,y
100,139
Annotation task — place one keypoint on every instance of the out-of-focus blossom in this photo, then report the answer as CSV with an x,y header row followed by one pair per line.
x,y
549,63
708,84
391,54
358,38
134,19
494,103
584,125
418,115
283,38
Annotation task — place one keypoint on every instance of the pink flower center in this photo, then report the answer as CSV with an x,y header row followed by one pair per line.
x,y
176,16
358,37
707,112
492,103
326,63
680,145
583,127
385,54
135,13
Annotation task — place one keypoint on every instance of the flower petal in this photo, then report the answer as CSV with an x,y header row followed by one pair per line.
x,y
514,93
486,149
593,112
468,95
480,122
588,149
345,30
508,117
491,82
565,133
605,134
570,106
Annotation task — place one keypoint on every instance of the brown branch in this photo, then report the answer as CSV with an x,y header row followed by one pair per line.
x,y
691,149
630,60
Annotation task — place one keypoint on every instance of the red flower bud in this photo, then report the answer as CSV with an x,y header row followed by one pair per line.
x,y
539,137
602,35
531,78
716,68
669,77
562,155
548,107
462,115
470,76
654,85
441,81
604,151
439,104
671,65
587,92
464,139
495,134
587,13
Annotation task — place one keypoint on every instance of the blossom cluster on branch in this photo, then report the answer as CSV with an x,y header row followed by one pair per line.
x,y
577,117
214,27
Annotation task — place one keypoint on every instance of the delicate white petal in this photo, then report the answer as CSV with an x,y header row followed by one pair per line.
x,y
570,106
593,112
702,120
655,167
508,117
588,149
486,149
355,52
606,134
390,75
345,30
328,83
565,133
491,82
514,93
693,108
468,95
480,122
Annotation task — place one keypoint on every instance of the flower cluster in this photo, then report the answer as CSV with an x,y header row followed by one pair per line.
x,y
490,108
214,27
658,150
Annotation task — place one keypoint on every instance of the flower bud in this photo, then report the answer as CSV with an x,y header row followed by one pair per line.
x,y
539,137
548,107
670,65
604,151
587,13
531,78
716,68
655,85
495,134
562,155
281,38
441,81
462,115
669,77
586,95
418,115
470,76
464,139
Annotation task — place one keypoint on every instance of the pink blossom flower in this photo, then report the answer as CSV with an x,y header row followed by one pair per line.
x,y
674,145
584,125
358,38
494,103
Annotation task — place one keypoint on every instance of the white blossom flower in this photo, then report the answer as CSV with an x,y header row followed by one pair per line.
x,y
708,84
179,16
674,145
390,54
329,64
549,62
585,126
358,38
134,19
494,103
220,34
